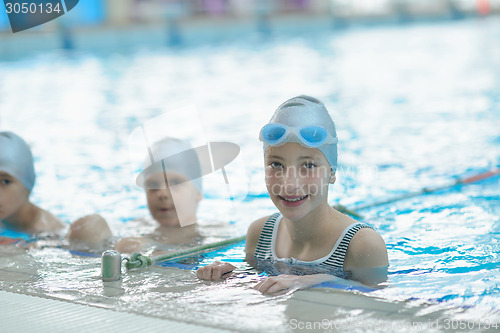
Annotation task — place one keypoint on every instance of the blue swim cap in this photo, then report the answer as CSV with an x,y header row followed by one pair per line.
x,y
303,111
16,159
171,154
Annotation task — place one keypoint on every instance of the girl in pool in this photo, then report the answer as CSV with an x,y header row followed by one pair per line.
x,y
17,178
173,191
172,183
20,219
300,153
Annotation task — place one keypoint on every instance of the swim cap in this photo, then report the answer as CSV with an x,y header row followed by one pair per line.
x,y
171,154
16,159
307,111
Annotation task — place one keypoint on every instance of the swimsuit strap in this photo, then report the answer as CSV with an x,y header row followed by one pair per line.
x,y
340,248
263,249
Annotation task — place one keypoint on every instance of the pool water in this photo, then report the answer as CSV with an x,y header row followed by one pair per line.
x,y
415,106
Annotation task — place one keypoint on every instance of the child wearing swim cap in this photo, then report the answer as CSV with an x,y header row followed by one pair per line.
x,y
300,153
171,178
172,166
17,178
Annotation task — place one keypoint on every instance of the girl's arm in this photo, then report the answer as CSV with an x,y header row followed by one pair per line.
x,y
283,283
366,258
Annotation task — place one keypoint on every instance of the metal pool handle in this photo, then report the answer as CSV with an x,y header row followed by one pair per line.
x,y
111,266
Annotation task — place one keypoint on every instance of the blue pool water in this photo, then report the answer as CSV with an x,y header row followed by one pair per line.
x,y
415,106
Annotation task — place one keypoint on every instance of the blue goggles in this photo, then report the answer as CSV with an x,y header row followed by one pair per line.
x,y
308,136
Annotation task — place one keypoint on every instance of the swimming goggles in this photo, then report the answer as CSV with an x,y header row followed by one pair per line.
x,y
308,136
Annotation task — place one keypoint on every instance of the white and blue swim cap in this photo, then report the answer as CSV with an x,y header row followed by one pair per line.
x,y
171,154
304,120
16,159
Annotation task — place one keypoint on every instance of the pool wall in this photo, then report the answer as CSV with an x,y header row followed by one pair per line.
x,y
113,26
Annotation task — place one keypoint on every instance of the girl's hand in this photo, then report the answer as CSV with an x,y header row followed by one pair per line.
x,y
283,283
216,271
279,284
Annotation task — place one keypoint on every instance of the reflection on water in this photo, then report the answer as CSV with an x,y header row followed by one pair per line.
x,y
177,294
156,291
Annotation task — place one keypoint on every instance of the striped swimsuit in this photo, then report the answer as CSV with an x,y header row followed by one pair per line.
x,y
265,250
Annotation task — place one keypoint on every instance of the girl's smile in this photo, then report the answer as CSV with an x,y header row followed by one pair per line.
x,y
297,179
293,201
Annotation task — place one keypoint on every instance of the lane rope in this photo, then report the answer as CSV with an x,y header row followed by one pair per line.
x,y
138,260
428,190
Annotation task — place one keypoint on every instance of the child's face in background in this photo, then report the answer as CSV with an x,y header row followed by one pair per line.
x,y
297,179
13,195
174,205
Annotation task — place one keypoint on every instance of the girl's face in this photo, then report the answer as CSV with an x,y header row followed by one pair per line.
x,y
13,195
174,205
297,179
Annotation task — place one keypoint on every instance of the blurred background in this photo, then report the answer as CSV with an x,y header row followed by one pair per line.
x,y
121,24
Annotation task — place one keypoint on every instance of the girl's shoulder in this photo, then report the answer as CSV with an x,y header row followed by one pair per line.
x,y
47,222
366,249
256,226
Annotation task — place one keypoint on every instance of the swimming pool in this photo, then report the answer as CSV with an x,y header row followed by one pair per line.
x,y
415,106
